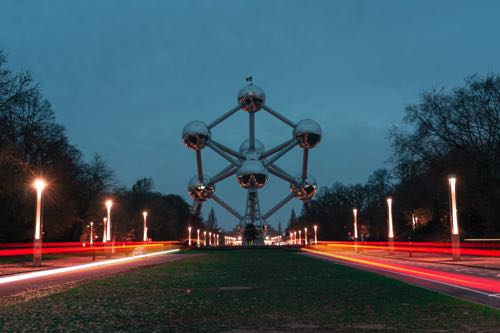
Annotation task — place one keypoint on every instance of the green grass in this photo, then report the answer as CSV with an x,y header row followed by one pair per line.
x,y
288,292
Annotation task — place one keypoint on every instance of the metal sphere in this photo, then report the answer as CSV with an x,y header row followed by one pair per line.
x,y
251,98
200,190
245,146
308,133
252,174
304,189
196,135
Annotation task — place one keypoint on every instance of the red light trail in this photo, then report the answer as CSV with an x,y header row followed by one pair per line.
x,y
478,249
18,249
488,286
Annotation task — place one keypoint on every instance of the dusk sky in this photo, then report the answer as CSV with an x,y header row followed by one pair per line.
x,y
124,77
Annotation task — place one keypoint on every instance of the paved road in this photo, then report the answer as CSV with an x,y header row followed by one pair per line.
x,y
480,285
66,279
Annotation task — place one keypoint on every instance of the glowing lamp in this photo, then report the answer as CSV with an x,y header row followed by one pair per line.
x,y
389,217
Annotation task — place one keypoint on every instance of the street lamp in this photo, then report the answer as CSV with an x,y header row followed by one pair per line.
x,y
39,185
315,234
210,238
300,237
91,233
389,221
305,236
92,239
108,203
145,215
295,237
217,239
205,238
189,238
355,213
105,222
198,238
455,235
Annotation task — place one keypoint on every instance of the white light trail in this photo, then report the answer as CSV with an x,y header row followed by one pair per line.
x,y
48,272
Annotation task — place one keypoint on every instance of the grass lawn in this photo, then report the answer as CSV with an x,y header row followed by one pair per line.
x,y
248,290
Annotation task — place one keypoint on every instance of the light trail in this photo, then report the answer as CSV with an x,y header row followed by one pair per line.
x,y
55,271
63,244
73,247
437,248
485,285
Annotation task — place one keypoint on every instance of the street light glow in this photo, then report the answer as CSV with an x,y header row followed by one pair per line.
x,y
39,184
105,223
189,239
389,219
454,218
108,204
355,213
315,234
91,233
145,215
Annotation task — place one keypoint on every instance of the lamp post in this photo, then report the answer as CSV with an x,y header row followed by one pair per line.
x,y
210,238
108,203
92,239
189,237
315,235
305,236
355,226
105,222
198,238
455,234
205,238
389,221
39,185
295,237
217,239
91,233
145,215
300,237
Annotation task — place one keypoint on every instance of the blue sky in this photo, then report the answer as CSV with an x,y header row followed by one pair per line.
x,y
124,77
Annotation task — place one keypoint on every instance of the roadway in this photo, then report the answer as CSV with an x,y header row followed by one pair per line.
x,y
17,285
478,284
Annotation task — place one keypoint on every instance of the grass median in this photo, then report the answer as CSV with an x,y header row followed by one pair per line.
x,y
248,290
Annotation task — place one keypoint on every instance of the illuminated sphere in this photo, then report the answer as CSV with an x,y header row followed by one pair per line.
x,y
245,146
252,174
308,133
251,98
196,135
200,190
304,189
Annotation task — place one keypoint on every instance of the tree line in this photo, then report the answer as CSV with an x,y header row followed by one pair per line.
x,y
449,131
33,144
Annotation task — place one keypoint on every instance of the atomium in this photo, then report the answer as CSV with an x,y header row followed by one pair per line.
x,y
195,135
252,174
304,189
308,133
251,98
251,163
200,190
